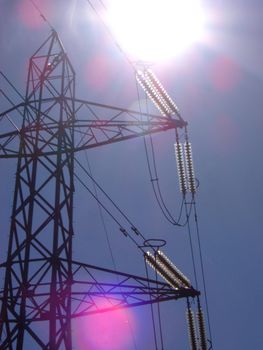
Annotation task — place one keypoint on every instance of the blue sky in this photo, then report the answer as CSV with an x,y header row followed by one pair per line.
x,y
218,87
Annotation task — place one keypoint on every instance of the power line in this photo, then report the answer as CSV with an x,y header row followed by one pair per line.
x,y
133,227
109,244
109,32
125,233
41,14
152,313
191,246
203,274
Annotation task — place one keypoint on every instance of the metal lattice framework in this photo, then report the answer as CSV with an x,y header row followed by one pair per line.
x,y
42,281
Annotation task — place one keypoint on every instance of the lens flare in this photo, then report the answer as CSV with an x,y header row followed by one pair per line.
x,y
154,30
28,14
107,330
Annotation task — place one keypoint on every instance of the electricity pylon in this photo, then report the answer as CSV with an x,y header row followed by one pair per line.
x,y
42,282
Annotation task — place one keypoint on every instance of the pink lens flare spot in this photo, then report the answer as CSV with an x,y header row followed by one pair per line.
x,y
226,135
225,74
30,16
98,72
107,330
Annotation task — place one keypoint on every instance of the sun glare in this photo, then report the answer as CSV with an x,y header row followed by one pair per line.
x,y
154,30
106,330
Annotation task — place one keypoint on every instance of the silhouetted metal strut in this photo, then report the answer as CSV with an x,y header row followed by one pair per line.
x,y
42,282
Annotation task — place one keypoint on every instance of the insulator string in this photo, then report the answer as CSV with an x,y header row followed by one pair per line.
x,y
189,167
201,328
191,327
180,167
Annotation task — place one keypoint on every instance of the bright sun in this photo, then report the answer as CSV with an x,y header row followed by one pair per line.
x,y
152,30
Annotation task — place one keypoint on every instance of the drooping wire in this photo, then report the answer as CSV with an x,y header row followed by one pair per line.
x,y
154,179
154,174
166,212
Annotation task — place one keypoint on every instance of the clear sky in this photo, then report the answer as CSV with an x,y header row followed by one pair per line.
x,y
218,87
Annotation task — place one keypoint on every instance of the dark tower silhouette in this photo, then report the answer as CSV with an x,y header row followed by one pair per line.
x,y
41,277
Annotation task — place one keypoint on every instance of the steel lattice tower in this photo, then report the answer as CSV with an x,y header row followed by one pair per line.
x,y
41,276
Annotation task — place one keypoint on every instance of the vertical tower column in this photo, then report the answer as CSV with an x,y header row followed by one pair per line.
x,y
38,273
